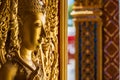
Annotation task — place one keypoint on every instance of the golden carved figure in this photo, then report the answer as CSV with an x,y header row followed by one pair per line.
x,y
29,40
22,62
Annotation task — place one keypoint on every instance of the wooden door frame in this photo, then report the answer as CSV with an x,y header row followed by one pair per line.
x,y
63,39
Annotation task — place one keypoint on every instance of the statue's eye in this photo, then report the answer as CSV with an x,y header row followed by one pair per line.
x,y
38,24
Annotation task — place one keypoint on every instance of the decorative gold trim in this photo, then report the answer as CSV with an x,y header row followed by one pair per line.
x,y
77,52
100,53
63,39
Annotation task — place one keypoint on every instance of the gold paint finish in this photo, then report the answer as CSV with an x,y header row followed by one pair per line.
x,y
31,30
29,40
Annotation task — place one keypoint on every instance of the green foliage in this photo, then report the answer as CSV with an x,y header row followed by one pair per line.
x,y
69,11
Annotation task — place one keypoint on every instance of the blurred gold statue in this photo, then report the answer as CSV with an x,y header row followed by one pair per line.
x,y
22,59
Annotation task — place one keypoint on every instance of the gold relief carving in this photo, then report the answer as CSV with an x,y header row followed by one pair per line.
x,y
4,19
29,40
88,4
51,41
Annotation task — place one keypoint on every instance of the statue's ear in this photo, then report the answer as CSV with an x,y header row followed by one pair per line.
x,y
43,33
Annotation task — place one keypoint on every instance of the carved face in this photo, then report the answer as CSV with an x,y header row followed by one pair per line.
x,y
31,31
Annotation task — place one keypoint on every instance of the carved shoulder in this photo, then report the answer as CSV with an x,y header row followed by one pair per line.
x,y
8,71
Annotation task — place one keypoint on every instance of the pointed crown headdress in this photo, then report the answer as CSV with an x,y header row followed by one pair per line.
x,y
30,6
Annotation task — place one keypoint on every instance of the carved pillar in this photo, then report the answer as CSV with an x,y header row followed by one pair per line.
x,y
86,15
